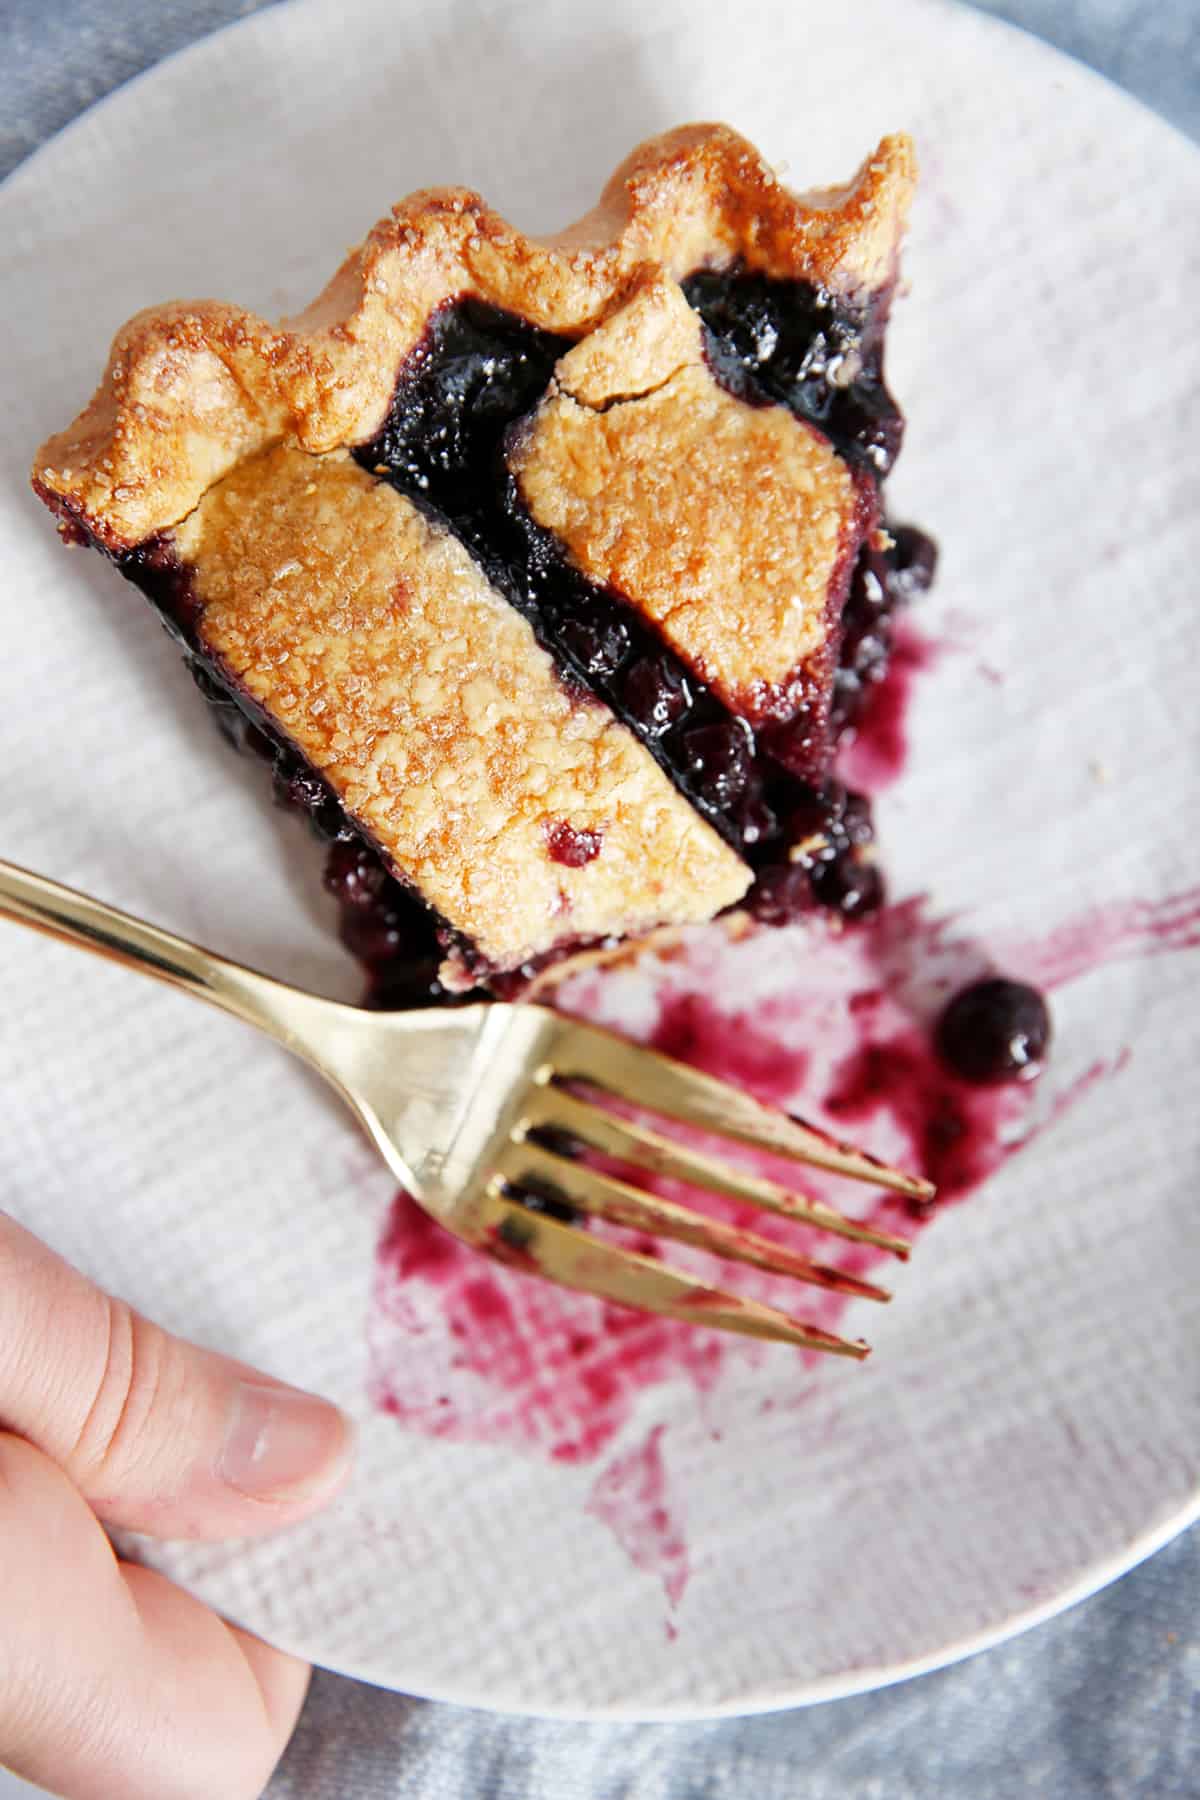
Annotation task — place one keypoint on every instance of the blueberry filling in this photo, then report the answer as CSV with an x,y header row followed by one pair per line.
x,y
792,343
573,848
707,752
476,370
386,927
882,582
476,373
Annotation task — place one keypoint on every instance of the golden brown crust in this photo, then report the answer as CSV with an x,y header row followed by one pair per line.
x,y
377,646
728,525
192,388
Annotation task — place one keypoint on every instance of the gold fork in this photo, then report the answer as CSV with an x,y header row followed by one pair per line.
x,y
466,1105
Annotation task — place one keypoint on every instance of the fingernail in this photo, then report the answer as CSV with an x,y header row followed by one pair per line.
x,y
283,1444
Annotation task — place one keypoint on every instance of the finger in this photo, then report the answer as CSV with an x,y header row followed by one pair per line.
x,y
159,1435
114,1685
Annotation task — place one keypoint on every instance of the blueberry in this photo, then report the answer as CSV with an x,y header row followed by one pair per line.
x,y
846,703
880,436
995,1030
782,892
856,823
797,743
753,818
374,934
866,653
598,643
298,786
819,814
655,695
868,596
847,886
354,874
718,759
913,560
398,986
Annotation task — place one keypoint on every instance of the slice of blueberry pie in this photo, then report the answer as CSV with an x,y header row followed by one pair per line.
x,y
546,573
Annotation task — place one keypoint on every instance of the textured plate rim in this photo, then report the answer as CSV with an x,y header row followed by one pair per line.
x,y
866,1680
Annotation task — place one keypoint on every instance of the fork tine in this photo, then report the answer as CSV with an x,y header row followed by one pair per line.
x,y
608,1198
575,1259
589,1053
604,1131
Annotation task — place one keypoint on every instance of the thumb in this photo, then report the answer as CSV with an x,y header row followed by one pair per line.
x,y
114,1685
157,1434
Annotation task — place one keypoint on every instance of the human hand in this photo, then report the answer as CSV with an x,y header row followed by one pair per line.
x,y
114,1684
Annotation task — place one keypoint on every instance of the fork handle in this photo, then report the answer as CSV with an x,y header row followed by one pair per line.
x,y
77,918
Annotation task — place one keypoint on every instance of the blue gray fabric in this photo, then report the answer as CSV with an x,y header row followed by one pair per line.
x,y
1104,1701
62,55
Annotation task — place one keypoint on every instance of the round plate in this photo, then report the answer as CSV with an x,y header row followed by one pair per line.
x,y
1030,1424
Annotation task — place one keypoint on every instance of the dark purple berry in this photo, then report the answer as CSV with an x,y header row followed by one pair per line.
x,y
237,730
868,596
846,703
995,1030
867,653
878,436
598,642
797,744
791,342
781,893
354,874
819,815
328,822
298,786
856,823
913,560
655,695
374,934
808,821
399,986
847,886
752,816
718,759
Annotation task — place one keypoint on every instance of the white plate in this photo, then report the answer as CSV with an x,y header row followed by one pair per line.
x,y
1030,1425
